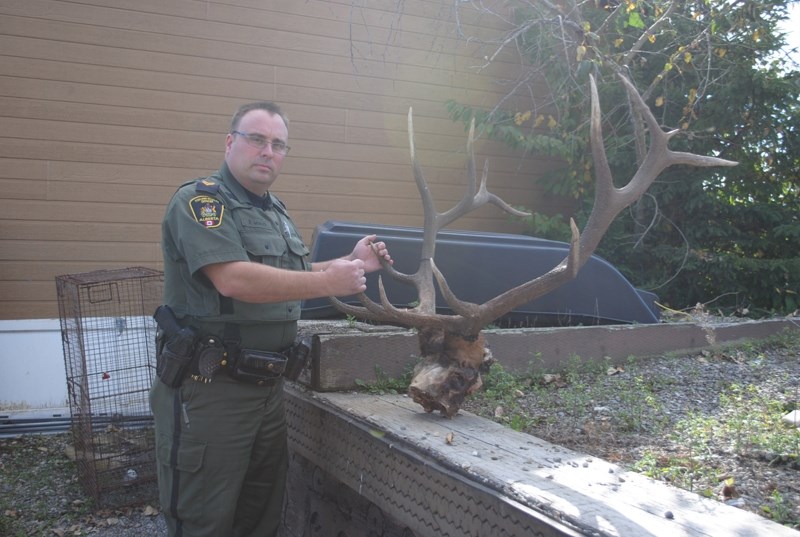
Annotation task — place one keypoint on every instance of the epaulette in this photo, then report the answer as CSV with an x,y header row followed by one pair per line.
x,y
207,186
279,205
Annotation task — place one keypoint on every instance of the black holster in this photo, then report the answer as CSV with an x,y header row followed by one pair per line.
x,y
297,358
175,358
175,347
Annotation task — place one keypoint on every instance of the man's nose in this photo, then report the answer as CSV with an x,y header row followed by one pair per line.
x,y
267,150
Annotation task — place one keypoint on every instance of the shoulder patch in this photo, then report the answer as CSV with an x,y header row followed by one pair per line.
x,y
206,185
207,211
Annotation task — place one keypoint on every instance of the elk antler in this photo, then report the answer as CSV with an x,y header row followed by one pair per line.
x,y
609,201
452,346
424,313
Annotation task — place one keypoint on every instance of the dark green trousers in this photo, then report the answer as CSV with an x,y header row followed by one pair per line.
x,y
222,456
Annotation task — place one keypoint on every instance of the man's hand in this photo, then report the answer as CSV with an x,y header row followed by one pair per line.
x,y
345,277
371,253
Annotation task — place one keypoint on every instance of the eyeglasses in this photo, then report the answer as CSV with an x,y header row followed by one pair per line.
x,y
260,141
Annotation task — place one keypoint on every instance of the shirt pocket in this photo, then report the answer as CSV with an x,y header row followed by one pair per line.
x,y
265,249
297,246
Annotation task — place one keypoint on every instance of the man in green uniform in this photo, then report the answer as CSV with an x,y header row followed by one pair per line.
x,y
235,270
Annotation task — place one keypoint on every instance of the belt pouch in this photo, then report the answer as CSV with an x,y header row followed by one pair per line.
x,y
257,366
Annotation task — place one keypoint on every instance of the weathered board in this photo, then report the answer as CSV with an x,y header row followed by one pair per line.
x,y
578,493
345,353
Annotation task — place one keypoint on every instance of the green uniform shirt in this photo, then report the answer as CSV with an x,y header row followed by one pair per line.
x,y
214,220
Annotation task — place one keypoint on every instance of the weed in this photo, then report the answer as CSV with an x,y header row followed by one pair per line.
x,y
385,384
780,510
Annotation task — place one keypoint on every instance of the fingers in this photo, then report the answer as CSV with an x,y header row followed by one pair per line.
x,y
381,251
347,277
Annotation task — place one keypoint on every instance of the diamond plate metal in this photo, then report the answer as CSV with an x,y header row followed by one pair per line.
x,y
409,486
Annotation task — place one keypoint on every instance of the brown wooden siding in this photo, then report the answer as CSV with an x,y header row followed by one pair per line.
x,y
106,106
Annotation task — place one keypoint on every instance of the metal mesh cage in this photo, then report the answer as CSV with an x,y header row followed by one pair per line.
x,y
108,336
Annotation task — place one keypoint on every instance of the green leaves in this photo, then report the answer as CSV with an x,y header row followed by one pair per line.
x,y
715,75
635,20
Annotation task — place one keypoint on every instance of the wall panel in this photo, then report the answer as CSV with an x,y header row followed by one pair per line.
x,y
106,106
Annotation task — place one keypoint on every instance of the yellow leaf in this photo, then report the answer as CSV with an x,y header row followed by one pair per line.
x,y
721,52
522,117
539,121
581,52
618,42
651,38
685,125
551,122
660,101
687,57
756,35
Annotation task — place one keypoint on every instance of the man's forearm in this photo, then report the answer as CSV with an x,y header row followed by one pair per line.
x,y
320,266
256,283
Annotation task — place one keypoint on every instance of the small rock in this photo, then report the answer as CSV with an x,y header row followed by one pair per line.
x,y
736,502
792,418
668,515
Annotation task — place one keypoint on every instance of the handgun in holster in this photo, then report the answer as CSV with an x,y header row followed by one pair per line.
x,y
175,347
297,358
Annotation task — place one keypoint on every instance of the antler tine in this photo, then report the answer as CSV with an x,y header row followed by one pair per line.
x,y
609,201
460,307
476,196
428,204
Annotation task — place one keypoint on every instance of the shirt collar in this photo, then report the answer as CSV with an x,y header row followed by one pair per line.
x,y
241,193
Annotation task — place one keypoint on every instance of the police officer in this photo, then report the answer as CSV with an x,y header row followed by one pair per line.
x,y
236,269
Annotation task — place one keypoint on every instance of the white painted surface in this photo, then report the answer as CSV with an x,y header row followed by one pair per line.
x,y
32,365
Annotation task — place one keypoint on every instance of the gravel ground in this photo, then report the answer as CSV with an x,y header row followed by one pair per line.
x,y
40,495
696,421
647,410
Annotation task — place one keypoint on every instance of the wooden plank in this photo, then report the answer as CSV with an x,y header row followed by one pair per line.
x,y
88,113
136,253
164,83
30,230
589,494
345,356
69,211
17,270
144,99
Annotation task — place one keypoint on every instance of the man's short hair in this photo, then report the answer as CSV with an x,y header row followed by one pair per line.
x,y
269,106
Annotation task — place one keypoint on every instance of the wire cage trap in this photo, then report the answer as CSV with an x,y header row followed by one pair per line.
x,y
108,336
